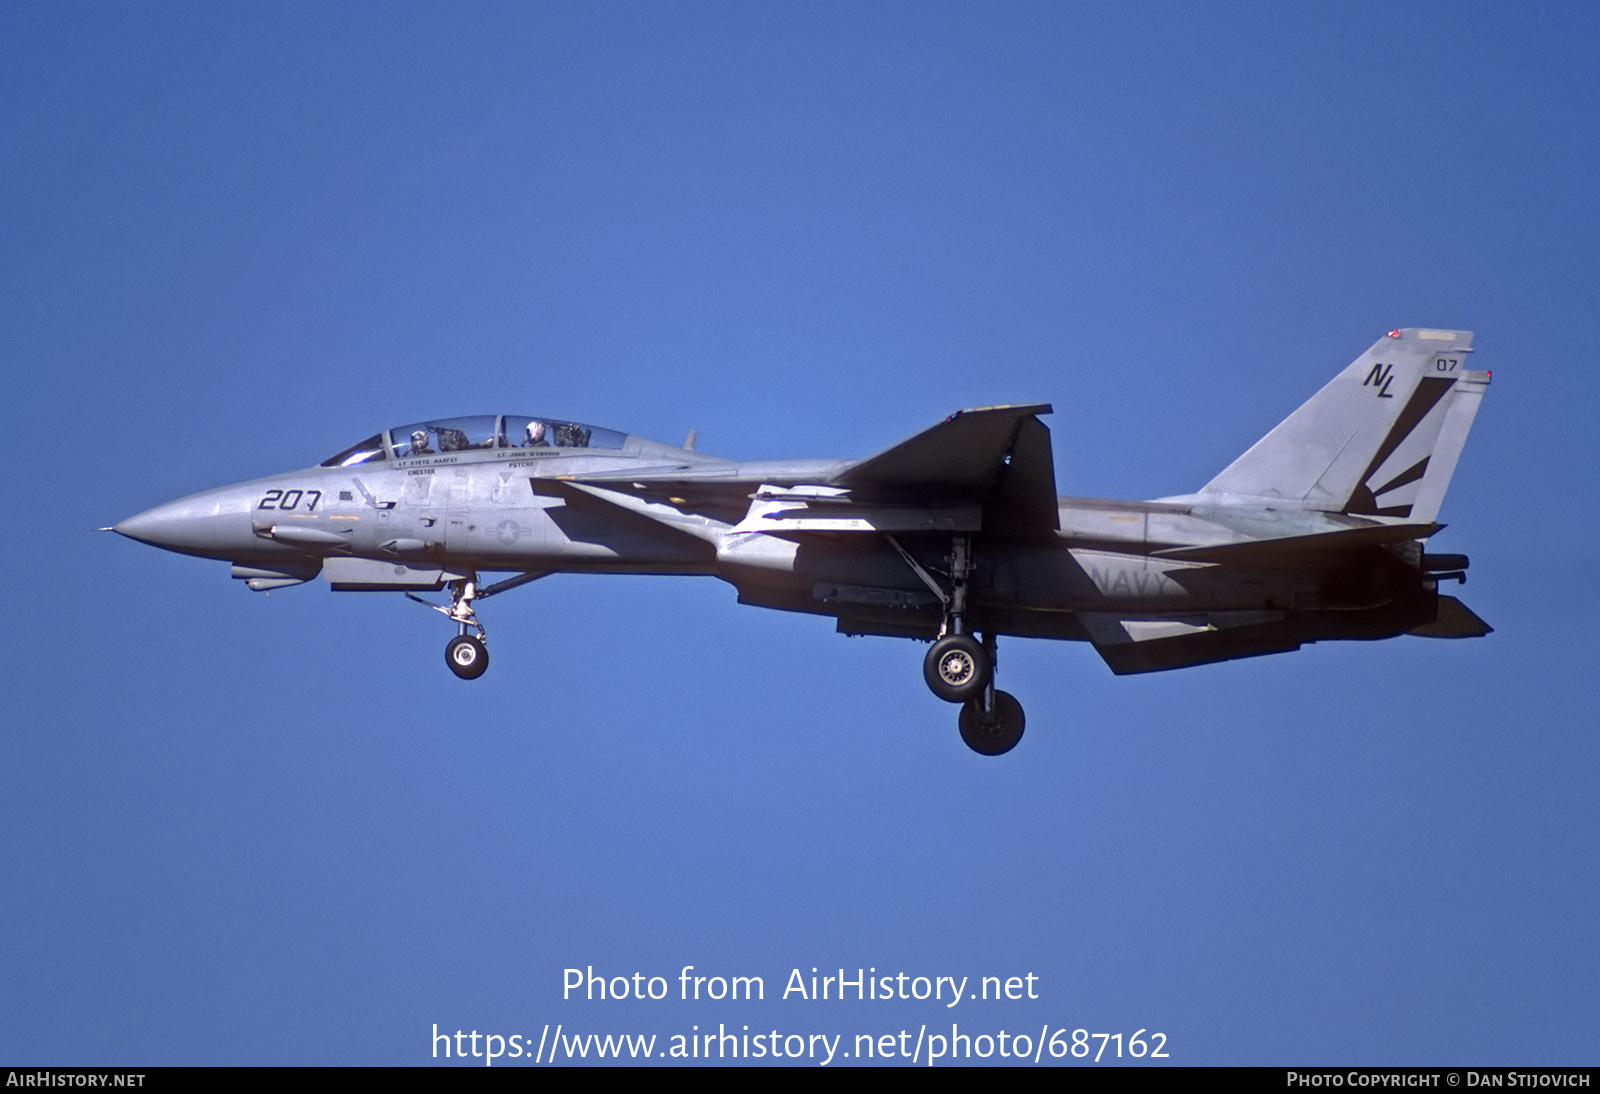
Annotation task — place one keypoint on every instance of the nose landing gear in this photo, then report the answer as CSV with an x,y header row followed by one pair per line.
x,y
467,654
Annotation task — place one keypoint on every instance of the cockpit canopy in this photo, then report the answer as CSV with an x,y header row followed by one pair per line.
x,y
480,432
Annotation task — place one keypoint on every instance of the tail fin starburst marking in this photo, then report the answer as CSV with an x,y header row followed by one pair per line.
x,y
1381,439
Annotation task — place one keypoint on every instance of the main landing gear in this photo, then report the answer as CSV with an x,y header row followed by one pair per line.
x,y
992,724
467,654
960,669
956,668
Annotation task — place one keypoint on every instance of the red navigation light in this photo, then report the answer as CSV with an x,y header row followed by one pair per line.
x,y
1393,334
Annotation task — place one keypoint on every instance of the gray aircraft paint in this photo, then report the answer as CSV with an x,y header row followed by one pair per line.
x,y
1314,533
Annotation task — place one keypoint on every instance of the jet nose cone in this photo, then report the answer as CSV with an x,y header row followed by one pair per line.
x,y
200,525
170,526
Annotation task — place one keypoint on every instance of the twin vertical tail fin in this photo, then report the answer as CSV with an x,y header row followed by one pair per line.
x,y
1380,440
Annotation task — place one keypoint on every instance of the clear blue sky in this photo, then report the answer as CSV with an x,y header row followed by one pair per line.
x,y
238,828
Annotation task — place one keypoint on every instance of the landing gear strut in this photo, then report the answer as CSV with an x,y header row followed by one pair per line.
x,y
992,721
960,669
467,655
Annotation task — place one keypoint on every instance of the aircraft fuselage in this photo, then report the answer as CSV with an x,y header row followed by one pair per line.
x,y
1316,532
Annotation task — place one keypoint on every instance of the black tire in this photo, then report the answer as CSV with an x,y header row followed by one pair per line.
x,y
467,657
956,668
998,733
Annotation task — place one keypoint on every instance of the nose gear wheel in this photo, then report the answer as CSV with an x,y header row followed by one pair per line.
x,y
467,657
466,654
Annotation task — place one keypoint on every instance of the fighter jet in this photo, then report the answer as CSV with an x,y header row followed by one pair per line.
x,y
953,537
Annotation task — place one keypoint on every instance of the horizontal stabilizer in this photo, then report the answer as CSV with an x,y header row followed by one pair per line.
x,y
1257,552
1135,644
1455,620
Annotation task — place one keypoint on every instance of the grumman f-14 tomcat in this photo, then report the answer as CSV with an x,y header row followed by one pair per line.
x,y
955,536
